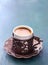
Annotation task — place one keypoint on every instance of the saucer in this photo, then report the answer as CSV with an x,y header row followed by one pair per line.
x,y
37,44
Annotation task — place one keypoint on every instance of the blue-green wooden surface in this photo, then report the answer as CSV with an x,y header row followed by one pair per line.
x,y
27,12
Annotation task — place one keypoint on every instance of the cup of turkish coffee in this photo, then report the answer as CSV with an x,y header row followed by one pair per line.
x,y
22,39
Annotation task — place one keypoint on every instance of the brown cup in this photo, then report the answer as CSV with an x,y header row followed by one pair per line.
x,y
22,44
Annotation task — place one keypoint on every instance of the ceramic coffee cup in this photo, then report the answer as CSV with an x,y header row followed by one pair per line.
x,y
22,39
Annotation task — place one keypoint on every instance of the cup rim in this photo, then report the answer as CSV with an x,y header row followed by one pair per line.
x,y
23,37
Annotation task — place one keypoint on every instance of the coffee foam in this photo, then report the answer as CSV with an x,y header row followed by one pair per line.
x,y
22,31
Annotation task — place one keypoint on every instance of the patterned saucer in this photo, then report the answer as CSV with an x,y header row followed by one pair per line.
x,y
37,44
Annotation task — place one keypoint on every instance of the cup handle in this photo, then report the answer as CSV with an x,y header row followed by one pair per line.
x,y
37,39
